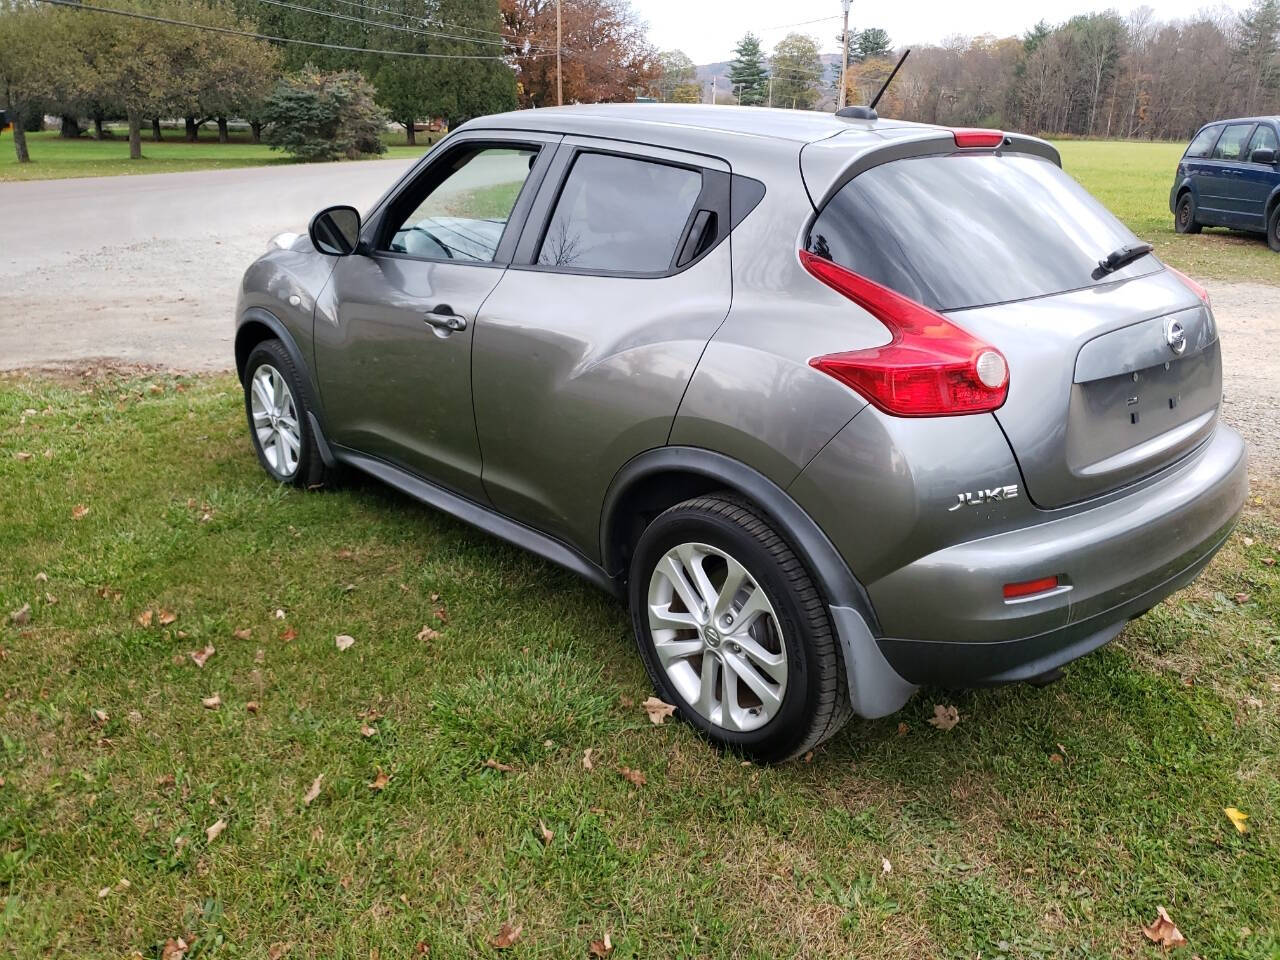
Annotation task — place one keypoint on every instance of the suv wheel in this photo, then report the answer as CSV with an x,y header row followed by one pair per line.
x,y
274,401
1184,217
733,631
1273,229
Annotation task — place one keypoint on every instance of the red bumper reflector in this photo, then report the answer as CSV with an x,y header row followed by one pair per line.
x,y
1028,587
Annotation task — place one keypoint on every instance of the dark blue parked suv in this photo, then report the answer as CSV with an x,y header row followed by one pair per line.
x,y
1229,177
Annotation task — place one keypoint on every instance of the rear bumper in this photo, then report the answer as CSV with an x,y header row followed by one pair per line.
x,y
1116,561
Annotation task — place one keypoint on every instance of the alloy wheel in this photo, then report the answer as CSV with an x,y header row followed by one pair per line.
x,y
717,636
275,420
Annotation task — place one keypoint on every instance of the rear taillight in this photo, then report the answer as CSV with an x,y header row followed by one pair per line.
x,y
1191,285
931,368
969,137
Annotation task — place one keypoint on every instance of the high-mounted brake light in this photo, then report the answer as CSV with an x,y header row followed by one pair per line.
x,y
972,137
1191,285
931,368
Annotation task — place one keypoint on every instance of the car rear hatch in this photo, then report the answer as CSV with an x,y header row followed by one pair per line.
x,y
1113,375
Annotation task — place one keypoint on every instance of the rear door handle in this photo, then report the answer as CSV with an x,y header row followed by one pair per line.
x,y
443,318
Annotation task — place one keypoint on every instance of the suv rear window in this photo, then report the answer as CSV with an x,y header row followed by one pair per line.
x,y
964,231
1202,143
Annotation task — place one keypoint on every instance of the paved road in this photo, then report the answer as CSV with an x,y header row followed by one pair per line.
x,y
145,268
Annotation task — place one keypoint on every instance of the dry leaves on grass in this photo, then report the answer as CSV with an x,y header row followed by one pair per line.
x,y
42,577
167,617
244,633
1242,598
280,613
493,764
175,948
657,710
586,758
380,781
547,835
367,731
903,729
290,634
214,830
1163,930
309,797
427,634
79,511
99,716
21,615
1239,819
944,718
634,777
213,702
343,642
253,706
506,936
886,867
22,456
144,618
201,657
601,948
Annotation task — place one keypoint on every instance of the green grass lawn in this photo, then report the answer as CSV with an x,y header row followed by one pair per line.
x,y
1049,823
53,157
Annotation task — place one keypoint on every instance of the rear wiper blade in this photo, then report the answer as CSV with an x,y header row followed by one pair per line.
x,y
1121,257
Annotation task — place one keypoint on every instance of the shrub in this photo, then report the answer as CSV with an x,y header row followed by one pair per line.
x,y
323,116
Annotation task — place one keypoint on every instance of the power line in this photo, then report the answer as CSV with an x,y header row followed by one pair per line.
x,y
801,23
263,36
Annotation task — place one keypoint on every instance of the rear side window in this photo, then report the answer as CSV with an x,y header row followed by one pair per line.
x,y
1264,138
963,231
1231,143
620,215
1202,143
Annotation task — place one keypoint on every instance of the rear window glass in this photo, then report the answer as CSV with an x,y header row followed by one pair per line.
x,y
964,231
1231,143
1203,142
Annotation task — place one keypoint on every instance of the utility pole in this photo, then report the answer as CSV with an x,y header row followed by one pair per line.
x,y
559,85
771,89
844,53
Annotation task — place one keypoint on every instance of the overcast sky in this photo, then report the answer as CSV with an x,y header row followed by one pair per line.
x,y
707,30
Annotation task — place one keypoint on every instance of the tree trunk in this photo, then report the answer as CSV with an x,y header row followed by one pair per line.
x,y
70,127
135,135
97,126
155,130
223,136
410,135
20,141
192,130
255,130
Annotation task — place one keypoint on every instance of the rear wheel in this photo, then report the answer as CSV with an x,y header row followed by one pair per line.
x,y
1273,229
275,403
733,631
1184,217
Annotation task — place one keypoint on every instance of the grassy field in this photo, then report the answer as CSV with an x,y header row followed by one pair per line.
x,y
1048,823
55,158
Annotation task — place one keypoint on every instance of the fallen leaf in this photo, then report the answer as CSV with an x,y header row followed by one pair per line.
x,y
215,830
144,617
174,949
547,835
886,867
167,617
634,776
435,598
135,716
442,614
944,718
380,781
1238,818
103,892
506,936
903,729
259,656
657,710
99,716
212,703
586,758
493,764
22,455
201,657
290,634
253,706
426,633
166,781
50,599
314,792
808,757
1268,561
343,642
1163,931
1247,541
1056,759
367,731
42,577
626,701
1242,598
21,615
279,614
278,950
244,633
600,948
78,511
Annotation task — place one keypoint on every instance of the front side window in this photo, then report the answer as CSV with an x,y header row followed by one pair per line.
x,y
1202,143
620,215
1231,143
1264,138
462,217
964,231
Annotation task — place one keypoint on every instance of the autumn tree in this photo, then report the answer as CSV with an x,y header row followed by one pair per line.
x,y
676,73
747,72
797,71
606,56
40,64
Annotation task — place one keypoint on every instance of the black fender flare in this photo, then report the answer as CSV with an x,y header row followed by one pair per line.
x,y
837,582
1272,199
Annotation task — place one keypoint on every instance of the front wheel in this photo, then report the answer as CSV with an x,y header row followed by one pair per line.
x,y
1184,217
733,631
275,403
1273,229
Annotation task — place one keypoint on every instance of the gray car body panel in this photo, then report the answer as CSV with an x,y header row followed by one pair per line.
x,y
568,392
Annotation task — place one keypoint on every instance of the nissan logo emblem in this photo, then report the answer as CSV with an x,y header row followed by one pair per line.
x,y
1175,336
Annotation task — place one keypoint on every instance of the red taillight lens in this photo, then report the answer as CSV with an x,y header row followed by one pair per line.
x,y
1012,591
931,368
968,137
1191,285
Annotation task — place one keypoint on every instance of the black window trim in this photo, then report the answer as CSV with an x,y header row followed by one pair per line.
x,y
375,233
713,196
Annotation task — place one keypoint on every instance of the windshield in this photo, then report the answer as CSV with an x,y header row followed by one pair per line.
x,y
963,231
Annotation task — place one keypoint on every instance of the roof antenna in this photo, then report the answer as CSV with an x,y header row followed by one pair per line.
x,y
869,112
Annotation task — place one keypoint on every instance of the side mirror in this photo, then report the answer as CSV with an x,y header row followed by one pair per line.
x,y
1263,155
335,230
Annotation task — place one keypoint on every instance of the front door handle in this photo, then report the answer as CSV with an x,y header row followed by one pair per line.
x,y
443,318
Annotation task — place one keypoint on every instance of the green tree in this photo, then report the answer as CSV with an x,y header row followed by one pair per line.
x,y
676,70
797,71
40,64
323,116
870,44
747,72
1258,50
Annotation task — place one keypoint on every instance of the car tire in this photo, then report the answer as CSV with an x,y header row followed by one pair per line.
x,y
1184,216
757,669
276,405
1273,229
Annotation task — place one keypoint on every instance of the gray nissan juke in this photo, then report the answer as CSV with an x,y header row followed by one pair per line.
x,y
841,405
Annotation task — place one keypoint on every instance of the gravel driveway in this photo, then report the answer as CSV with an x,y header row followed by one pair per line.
x,y
144,269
